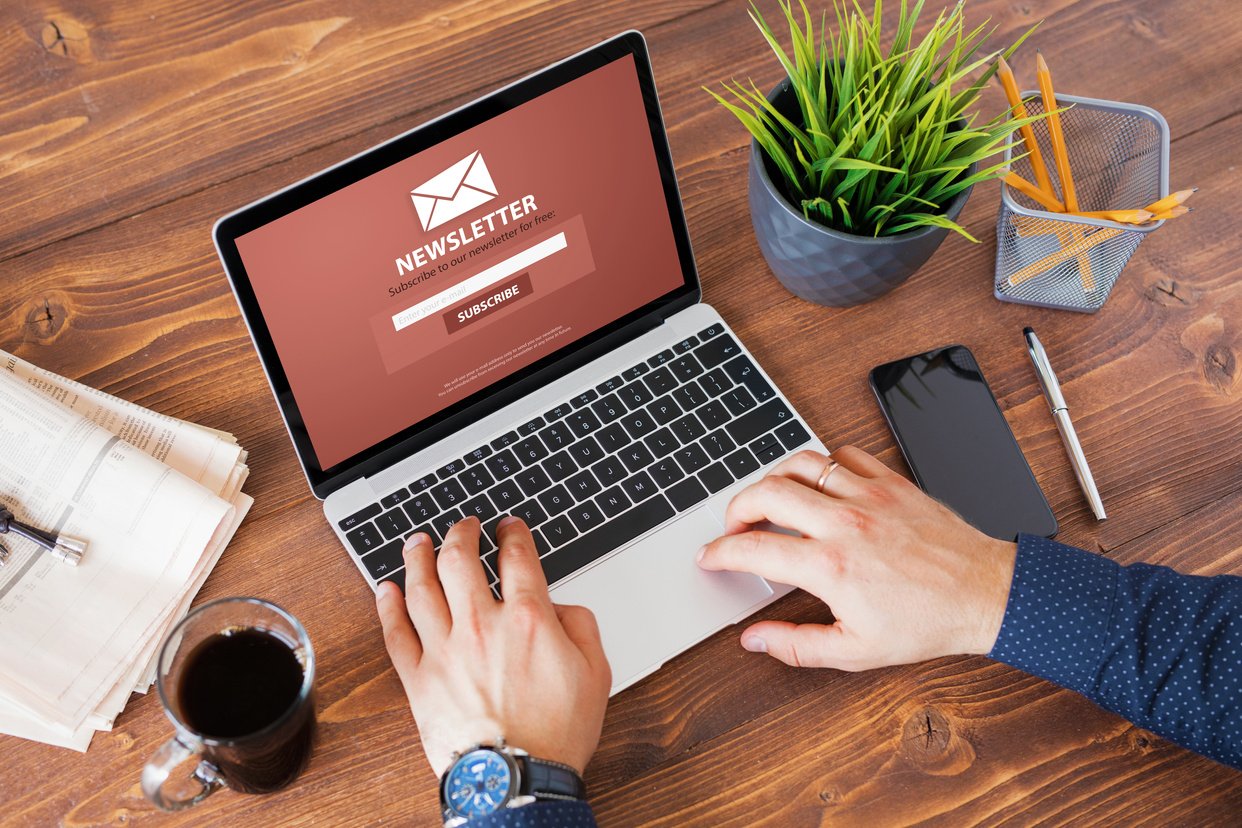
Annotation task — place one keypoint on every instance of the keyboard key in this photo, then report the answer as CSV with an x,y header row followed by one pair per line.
x,y
449,469
766,417
608,409
741,463
721,349
556,500
559,531
690,396
531,450
506,496
443,523
609,470
638,424
661,358
491,565
715,477
713,414
422,484
685,368
660,381
612,438
711,330
586,451
557,436
583,485
449,493
792,434
478,454
592,546
685,345
635,395
531,512
635,372
397,578
715,382
738,401
586,516
365,538
686,494
393,499
743,371
558,412
480,507
502,464
583,422
665,472
688,429
691,458
528,428
613,501
504,440
559,466
533,480
609,385
357,518
393,524
584,398
662,442
767,448
476,479
421,508
664,410
542,547
385,560
717,444
636,456
639,487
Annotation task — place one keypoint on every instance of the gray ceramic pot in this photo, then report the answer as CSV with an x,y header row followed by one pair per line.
x,y
824,265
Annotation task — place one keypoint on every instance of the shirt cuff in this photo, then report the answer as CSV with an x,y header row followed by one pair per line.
x,y
1060,605
576,814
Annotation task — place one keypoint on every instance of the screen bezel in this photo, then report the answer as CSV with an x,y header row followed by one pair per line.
x,y
426,432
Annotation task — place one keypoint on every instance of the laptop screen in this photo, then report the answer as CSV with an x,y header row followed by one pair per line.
x,y
437,277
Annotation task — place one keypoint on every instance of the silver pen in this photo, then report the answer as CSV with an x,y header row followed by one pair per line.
x,y
1060,415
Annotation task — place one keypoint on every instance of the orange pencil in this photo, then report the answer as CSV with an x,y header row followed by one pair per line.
x,y
1172,212
1028,135
1059,153
1031,191
1170,201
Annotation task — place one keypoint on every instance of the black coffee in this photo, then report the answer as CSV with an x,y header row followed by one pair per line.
x,y
237,684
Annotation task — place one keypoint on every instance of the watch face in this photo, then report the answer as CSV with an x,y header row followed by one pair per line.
x,y
478,784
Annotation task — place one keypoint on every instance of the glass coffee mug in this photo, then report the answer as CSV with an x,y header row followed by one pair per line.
x,y
235,678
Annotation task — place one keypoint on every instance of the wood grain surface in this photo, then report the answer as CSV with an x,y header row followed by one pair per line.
x,y
127,128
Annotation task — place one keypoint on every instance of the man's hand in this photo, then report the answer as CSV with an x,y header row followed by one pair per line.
x,y
907,580
475,669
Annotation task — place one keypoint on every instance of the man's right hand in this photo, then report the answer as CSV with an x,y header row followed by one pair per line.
x,y
906,579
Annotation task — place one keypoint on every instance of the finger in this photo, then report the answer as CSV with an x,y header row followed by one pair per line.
x,y
769,555
802,645
400,639
861,463
583,630
781,501
461,570
518,561
424,596
808,467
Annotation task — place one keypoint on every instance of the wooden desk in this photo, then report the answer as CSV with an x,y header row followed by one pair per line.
x,y
127,128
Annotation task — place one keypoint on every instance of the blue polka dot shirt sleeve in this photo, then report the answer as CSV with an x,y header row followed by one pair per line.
x,y
1160,648
540,815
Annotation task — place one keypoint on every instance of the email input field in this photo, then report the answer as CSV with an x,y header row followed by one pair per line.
x,y
479,281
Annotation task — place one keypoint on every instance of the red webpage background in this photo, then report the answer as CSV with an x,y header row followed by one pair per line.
x,y
322,272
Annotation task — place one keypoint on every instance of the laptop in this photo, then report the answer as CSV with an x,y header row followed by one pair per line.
x,y
498,312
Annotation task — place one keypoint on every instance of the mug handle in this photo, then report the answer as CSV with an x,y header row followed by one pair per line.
x,y
171,754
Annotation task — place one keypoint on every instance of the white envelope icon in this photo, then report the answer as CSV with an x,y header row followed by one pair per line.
x,y
457,190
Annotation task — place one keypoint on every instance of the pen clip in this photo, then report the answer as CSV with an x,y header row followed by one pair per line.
x,y
1043,370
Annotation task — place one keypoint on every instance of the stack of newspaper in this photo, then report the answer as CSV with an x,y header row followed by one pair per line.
x,y
155,498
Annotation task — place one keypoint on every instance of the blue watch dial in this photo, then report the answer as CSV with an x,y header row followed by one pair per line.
x,y
478,784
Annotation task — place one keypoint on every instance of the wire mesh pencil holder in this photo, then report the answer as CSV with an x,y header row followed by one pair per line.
x,y
1119,155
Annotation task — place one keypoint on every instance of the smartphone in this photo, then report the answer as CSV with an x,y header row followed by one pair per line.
x,y
958,444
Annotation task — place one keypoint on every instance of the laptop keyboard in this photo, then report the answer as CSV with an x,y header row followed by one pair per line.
x,y
601,468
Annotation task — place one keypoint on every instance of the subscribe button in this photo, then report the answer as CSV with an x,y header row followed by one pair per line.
x,y
485,304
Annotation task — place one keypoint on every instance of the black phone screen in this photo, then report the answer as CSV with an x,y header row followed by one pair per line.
x,y
958,444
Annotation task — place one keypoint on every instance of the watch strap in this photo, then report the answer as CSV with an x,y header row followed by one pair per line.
x,y
544,779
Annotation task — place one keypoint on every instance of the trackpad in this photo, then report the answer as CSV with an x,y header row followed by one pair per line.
x,y
652,601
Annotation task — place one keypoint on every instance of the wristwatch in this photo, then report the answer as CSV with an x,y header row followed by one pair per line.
x,y
484,779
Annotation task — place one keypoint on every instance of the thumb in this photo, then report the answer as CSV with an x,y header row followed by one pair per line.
x,y
802,645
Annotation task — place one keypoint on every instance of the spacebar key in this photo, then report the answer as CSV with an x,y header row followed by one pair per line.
x,y
597,543
759,421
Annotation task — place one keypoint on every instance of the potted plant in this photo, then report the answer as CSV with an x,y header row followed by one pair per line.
x,y
862,158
